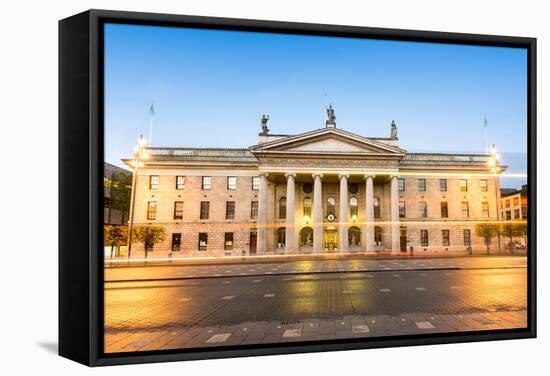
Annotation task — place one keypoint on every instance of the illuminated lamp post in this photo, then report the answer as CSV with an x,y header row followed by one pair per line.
x,y
493,164
139,156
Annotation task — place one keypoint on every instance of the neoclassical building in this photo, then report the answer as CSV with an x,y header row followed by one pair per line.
x,y
327,190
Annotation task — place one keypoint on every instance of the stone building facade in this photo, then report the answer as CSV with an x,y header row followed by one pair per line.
x,y
513,204
327,190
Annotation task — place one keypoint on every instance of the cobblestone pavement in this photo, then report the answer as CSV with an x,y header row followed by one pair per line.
x,y
231,308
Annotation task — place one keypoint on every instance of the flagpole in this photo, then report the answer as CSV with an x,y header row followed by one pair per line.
x,y
151,117
485,123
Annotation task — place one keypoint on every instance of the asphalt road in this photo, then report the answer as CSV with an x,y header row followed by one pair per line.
x,y
160,297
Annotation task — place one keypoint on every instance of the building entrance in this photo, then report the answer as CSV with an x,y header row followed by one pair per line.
x,y
331,239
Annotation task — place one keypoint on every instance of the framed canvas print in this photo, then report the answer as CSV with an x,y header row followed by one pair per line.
x,y
236,187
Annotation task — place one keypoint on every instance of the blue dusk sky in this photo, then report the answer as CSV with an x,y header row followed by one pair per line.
x,y
210,88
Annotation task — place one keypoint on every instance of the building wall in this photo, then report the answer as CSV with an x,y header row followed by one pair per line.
x,y
191,224
513,207
243,224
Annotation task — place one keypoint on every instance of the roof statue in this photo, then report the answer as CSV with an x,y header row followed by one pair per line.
x,y
393,135
265,129
331,118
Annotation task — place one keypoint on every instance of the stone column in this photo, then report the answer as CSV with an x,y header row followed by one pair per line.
x,y
263,202
394,214
369,213
317,213
344,214
290,232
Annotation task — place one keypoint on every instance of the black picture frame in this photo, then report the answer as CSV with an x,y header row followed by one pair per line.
x,y
81,177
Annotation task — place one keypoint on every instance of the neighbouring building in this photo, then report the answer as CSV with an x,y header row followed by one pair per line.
x,y
116,205
513,203
327,190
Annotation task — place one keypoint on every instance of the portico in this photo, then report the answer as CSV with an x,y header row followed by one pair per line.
x,y
322,213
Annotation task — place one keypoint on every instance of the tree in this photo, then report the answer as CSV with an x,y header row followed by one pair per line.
x,y
522,230
149,236
114,237
510,230
486,231
120,190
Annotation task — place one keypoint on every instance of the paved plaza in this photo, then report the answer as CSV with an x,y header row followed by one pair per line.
x,y
189,306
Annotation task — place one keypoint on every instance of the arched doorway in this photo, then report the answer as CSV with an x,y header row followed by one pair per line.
x,y
377,235
306,237
354,236
331,238
280,237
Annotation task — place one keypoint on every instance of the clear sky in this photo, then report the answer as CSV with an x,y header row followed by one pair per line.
x,y
210,88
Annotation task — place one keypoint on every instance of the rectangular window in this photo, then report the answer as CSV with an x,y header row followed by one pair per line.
x,y
176,242
154,182
180,182
376,207
467,238
524,212
203,241
152,210
401,184
230,210
423,209
228,243
254,210
256,182
508,215
232,182
463,185
402,212
443,185
485,209
516,213
205,208
507,203
444,210
178,210
516,201
282,208
424,238
445,238
422,185
353,210
307,208
206,182
483,185
465,209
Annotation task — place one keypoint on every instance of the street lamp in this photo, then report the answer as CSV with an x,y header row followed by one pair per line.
x,y
137,162
493,164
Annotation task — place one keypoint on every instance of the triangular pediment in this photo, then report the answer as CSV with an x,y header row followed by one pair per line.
x,y
328,140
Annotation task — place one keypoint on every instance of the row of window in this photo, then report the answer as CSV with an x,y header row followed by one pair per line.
x,y
444,209
331,208
204,210
463,184
230,209
203,241
154,182
354,239
508,202
446,238
517,214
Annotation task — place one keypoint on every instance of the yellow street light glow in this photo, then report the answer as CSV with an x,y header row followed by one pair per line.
x,y
141,141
